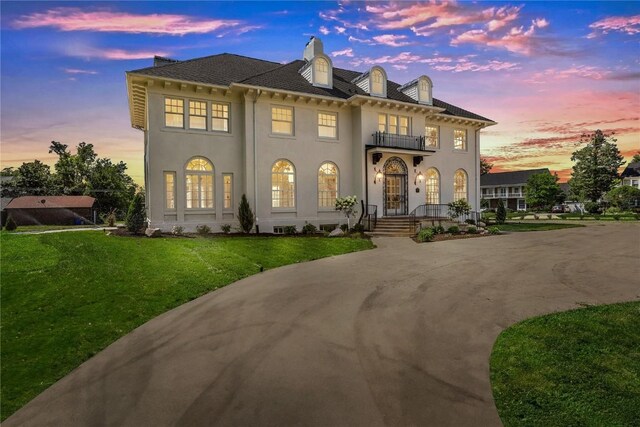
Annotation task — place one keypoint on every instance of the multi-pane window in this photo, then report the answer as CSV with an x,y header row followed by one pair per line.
x,y
197,115
393,124
199,184
283,185
377,82
424,91
432,186
382,122
220,117
327,125
327,185
503,191
404,125
282,120
227,183
321,71
170,190
460,139
431,136
460,185
174,112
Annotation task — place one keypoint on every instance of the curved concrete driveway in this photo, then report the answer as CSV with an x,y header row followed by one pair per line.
x,y
399,335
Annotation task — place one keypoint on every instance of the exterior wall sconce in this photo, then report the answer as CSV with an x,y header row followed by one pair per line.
x,y
378,176
419,178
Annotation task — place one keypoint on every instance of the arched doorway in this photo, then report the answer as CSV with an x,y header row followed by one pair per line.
x,y
395,187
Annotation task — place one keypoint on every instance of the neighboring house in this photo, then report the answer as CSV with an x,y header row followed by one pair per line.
x,y
49,210
4,201
631,175
293,137
571,202
508,186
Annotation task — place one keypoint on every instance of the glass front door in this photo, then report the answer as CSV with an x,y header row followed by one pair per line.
x,y
395,187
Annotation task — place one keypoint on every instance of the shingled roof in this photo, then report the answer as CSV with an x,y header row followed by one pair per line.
x,y
510,178
225,69
632,169
51,202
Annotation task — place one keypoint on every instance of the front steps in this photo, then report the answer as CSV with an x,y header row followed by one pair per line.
x,y
394,226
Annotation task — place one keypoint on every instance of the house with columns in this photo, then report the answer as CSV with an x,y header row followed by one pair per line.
x,y
293,137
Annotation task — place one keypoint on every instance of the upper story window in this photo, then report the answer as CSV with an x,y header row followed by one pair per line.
x,y
174,112
197,115
327,185
282,120
393,124
321,71
404,125
328,125
382,122
460,139
377,82
220,117
431,136
199,183
283,185
424,90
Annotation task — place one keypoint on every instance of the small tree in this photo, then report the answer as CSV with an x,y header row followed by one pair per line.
x,y
245,215
459,208
11,224
501,212
636,158
347,205
136,214
485,166
542,190
623,197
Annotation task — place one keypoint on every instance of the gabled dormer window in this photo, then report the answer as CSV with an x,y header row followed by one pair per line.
x,y
424,90
318,71
378,82
321,71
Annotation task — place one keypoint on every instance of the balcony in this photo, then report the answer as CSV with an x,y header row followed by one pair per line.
x,y
404,142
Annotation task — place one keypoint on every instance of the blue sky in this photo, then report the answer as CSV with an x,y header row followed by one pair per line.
x,y
546,71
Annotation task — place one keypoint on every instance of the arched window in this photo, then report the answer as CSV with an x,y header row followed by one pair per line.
x,y
327,185
424,91
321,71
432,186
377,82
283,185
199,183
460,185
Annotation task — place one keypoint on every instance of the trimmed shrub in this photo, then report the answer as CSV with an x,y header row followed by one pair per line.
x,y
245,215
592,207
438,229
135,220
493,230
454,229
177,230
11,224
501,212
309,228
613,210
203,229
470,221
425,235
344,227
472,230
289,230
226,228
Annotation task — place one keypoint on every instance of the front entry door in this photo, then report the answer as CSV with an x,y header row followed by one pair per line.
x,y
395,187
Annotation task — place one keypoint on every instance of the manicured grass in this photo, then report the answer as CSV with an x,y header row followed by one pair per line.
x,y
577,368
66,296
528,226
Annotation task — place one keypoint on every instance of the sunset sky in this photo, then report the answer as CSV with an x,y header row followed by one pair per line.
x,y
545,71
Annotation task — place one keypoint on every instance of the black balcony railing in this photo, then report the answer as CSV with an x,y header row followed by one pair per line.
x,y
384,139
369,216
440,213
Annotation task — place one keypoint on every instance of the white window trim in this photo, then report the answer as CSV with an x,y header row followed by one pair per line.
x,y
200,173
293,208
229,209
326,138
210,118
328,208
465,146
184,113
175,188
293,121
437,127
206,115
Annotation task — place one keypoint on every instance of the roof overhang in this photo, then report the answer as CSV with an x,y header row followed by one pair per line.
x,y
463,121
358,100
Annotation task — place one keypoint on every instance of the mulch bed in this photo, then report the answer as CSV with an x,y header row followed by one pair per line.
x,y
444,237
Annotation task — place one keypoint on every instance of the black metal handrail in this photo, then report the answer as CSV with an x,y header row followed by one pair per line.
x,y
440,212
384,139
369,216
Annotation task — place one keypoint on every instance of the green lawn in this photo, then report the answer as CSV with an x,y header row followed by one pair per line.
x,y
529,226
66,296
577,368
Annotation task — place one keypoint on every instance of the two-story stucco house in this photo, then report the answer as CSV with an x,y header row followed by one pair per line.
x,y
293,137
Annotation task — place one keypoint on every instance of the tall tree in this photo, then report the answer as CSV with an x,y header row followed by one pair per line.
x,y
596,166
636,158
485,166
542,190
109,183
32,178
73,170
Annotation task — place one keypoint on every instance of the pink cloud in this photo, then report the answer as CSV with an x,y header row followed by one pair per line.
x,y
583,71
334,15
391,40
112,53
402,60
324,30
357,40
79,71
346,52
466,65
625,24
340,30
517,40
76,19
399,67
